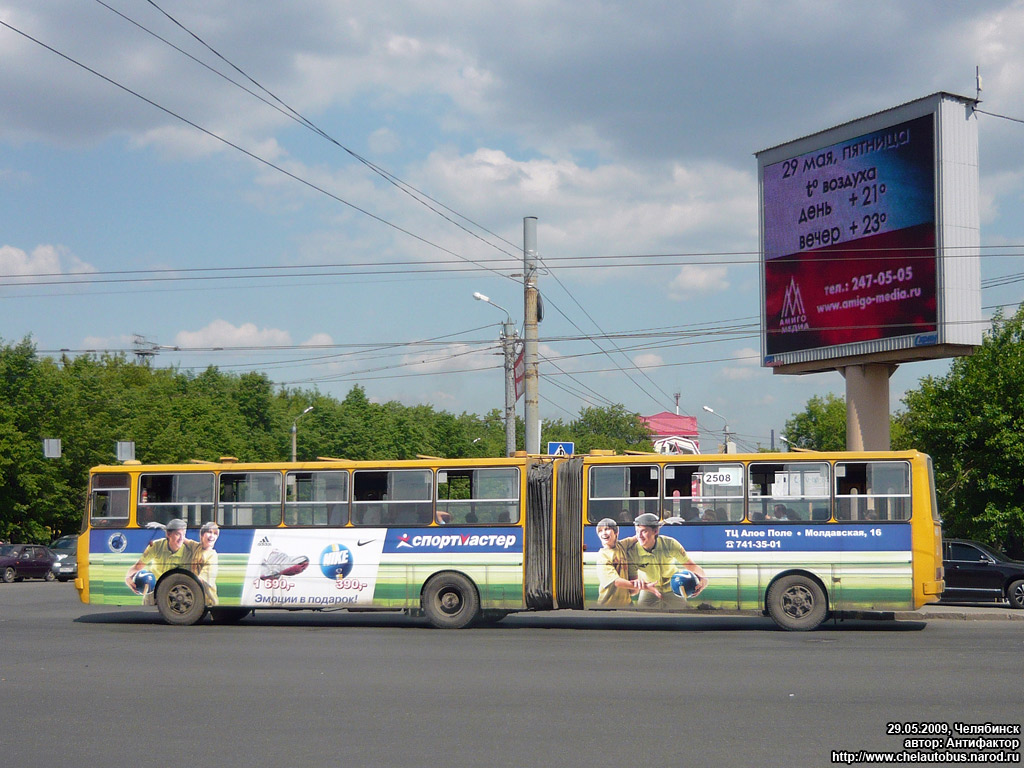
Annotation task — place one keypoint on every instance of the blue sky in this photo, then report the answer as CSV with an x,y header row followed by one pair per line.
x,y
627,129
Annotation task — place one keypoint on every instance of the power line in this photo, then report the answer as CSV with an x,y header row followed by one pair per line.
x,y
419,196
248,153
458,264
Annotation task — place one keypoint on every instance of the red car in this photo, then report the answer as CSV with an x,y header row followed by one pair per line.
x,y
26,561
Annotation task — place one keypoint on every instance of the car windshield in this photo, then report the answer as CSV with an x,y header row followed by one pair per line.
x,y
6,550
993,552
65,542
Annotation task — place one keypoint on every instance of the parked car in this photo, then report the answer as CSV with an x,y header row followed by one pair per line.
x,y
66,550
979,573
26,561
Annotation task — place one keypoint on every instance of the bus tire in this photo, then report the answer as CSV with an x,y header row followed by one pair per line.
x,y
1015,593
797,603
180,599
450,601
228,615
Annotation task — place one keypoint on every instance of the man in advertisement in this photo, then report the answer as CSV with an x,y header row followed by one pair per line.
x,y
162,555
658,558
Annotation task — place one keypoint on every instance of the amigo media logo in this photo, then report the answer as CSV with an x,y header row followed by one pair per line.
x,y
793,317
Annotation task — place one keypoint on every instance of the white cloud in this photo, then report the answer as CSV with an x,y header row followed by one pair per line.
x,y
747,365
694,278
384,141
648,360
101,343
451,357
318,340
43,260
221,333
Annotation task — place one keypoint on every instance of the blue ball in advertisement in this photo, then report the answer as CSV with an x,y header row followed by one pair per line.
x,y
336,561
145,581
684,583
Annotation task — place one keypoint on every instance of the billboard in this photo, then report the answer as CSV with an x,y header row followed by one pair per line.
x,y
869,239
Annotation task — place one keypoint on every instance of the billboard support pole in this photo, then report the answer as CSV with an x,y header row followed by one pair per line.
x,y
867,406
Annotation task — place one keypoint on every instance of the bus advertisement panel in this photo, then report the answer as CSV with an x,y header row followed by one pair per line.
x,y
306,568
869,565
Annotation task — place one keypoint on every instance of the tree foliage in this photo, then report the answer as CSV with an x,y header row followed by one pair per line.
x,y
971,421
602,428
91,402
821,426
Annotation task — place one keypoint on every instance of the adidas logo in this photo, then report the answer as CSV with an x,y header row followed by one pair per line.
x,y
264,542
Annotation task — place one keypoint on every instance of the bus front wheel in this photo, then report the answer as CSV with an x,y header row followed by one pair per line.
x,y
180,599
450,601
797,603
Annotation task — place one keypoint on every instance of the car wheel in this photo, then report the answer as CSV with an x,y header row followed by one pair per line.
x,y
9,574
50,576
180,599
1015,593
797,603
450,601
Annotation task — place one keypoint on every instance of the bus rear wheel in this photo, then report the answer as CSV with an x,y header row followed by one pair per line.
x,y
797,603
180,599
450,601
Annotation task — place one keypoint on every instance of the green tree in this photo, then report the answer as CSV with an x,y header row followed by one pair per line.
x,y
821,426
971,422
611,428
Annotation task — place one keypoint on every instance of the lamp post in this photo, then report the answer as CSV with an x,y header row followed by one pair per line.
x,y
728,445
295,429
793,446
508,346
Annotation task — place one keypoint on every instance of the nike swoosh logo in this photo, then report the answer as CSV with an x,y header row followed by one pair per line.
x,y
361,542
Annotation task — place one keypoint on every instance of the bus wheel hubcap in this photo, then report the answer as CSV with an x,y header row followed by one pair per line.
x,y
180,599
798,601
450,602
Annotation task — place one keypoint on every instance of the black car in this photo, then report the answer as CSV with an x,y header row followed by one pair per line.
x,y
979,573
66,550
26,561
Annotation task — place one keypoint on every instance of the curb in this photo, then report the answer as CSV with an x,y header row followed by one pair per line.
x,y
977,614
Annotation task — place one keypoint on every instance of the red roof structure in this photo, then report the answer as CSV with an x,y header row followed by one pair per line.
x,y
667,425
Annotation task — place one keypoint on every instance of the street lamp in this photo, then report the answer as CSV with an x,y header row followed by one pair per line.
x,y
712,412
792,446
295,429
508,346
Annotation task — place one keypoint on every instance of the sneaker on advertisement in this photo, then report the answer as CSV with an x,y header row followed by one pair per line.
x,y
278,564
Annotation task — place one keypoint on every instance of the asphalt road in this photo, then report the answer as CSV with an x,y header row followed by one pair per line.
x,y
100,686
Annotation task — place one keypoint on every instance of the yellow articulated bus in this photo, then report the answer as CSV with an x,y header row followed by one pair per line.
x,y
463,541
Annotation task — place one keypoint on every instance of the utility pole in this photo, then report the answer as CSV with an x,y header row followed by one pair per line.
x,y
508,347
531,381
